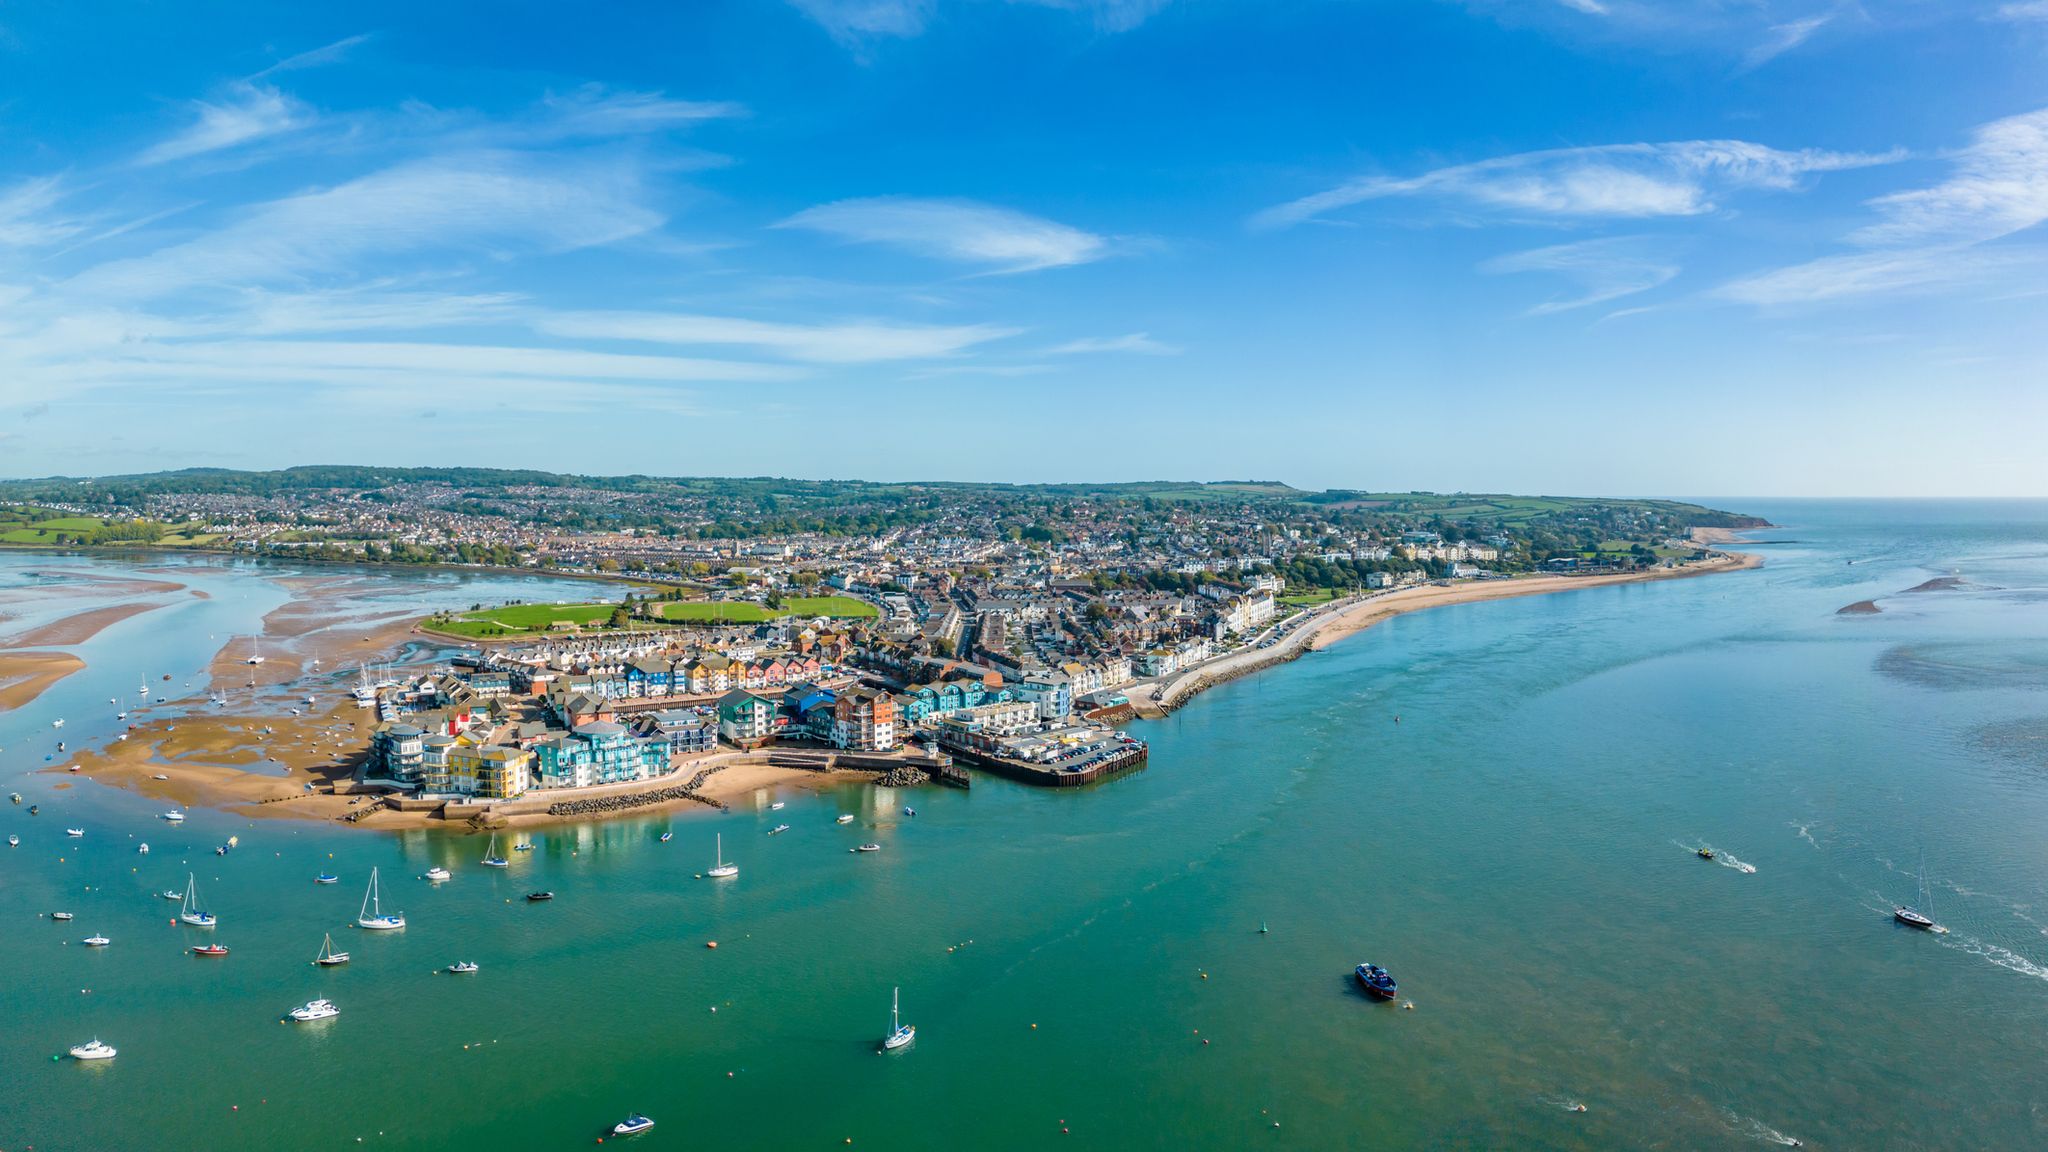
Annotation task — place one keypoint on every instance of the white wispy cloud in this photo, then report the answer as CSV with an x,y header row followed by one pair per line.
x,y
248,112
317,57
1615,180
2000,187
474,202
1605,269
594,110
1933,237
28,216
2024,10
852,343
1138,342
1589,7
858,22
1782,38
966,231
1108,15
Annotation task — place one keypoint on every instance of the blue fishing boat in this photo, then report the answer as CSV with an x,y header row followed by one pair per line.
x,y
327,878
1376,981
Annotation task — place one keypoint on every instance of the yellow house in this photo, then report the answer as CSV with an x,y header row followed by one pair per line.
x,y
491,772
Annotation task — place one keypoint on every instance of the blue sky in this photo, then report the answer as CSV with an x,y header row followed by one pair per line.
x,y
1571,246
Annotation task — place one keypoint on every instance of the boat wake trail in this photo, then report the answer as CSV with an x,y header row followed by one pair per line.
x,y
2005,958
1567,1103
1804,834
1728,860
1751,1128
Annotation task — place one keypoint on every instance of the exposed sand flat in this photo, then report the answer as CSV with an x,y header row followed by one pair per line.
x,y
78,628
222,761
27,675
116,585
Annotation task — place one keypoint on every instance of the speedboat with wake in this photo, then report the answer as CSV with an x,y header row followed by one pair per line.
x,y
1376,981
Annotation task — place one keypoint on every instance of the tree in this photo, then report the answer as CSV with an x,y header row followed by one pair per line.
x,y
620,618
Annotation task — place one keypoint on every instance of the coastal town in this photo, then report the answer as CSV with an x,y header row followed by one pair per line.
x,y
917,632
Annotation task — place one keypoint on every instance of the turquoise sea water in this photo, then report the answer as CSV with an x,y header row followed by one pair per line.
x,y
1518,849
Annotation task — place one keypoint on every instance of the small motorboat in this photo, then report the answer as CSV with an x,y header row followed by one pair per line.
x,y
1913,918
158,776
327,878
96,941
667,836
846,818
171,894
60,915
437,873
314,1010
462,966
59,723
142,849
15,797
522,846
1376,981
13,841
632,1125
909,811
34,808
778,806
537,897
92,1050
209,950
174,816
74,831
1706,853
778,830
866,848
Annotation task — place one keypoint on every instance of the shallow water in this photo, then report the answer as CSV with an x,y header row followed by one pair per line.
x,y
1518,849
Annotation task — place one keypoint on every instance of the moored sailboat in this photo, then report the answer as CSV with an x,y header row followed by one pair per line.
x,y
491,857
193,912
372,915
328,956
899,1032
722,869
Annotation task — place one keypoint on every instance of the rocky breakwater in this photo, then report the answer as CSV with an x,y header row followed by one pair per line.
x,y
599,805
902,776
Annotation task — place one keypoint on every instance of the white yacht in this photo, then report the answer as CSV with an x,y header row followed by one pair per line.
x,y
96,941
13,841
74,831
92,1050
372,916
437,873
632,1125
57,723
314,1010
866,848
899,1032
778,806
192,913
722,869
60,915
846,818
175,816
142,849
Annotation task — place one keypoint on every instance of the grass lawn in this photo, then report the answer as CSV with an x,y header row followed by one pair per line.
x,y
1312,596
525,618
743,612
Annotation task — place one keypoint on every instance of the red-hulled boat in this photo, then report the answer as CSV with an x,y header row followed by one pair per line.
x,y
210,950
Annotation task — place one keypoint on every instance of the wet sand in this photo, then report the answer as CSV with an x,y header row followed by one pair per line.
x,y
77,628
27,675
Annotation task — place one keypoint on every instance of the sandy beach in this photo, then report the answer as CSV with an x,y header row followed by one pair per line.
x,y
26,675
1333,624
